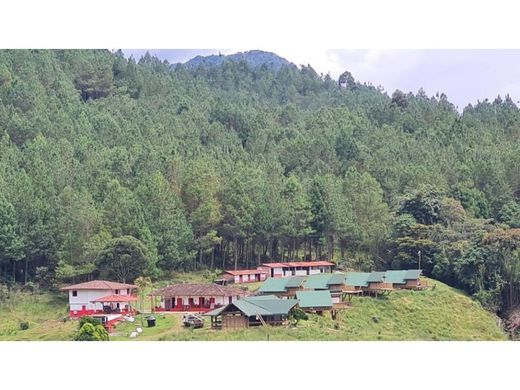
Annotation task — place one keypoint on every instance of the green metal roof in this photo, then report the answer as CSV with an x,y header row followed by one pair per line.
x,y
357,279
264,305
273,285
251,306
337,278
376,276
314,299
294,281
396,277
413,274
317,282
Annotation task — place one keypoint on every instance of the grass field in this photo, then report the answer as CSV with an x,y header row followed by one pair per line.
x,y
441,313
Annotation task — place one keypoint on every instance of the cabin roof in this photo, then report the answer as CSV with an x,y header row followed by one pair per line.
x,y
197,289
337,278
294,281
357,279
396,277
317,281
413,274
99,285
376,276
314,299
275,285
259,305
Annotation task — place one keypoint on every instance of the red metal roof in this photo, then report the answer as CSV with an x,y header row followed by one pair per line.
x,y
116,298
299,264
246,272
99,285
274,265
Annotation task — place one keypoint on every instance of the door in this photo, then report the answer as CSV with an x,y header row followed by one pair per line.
x,y
179,303
191,302
240,279
83,308
168,304
201,301
212,302
230,299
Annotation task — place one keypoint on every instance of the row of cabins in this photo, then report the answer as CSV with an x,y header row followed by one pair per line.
x,y
341,285
276,270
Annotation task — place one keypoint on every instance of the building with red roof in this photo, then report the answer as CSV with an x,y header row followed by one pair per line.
x,y
100,296
297,268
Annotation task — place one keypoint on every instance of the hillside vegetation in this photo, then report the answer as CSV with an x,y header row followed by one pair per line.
x,y
116,168
442,313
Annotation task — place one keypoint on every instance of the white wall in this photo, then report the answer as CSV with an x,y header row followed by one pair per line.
x,y
85,297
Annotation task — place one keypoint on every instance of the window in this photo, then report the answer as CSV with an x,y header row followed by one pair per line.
x,y
117,292
127,291
74,293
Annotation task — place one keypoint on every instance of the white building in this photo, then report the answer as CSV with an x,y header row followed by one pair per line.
x,y
100,296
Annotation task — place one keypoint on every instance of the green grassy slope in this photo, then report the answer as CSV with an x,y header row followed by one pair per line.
x,y
441,313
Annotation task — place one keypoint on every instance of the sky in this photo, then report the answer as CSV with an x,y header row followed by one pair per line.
x,y
465,76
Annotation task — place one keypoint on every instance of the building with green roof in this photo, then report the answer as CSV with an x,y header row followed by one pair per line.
x,y
252,311
314,300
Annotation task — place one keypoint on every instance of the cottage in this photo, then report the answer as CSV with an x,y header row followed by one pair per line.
x,y
396,278
243,276
331,282
414,281
252,311
314,301
377,283
199,297
100,296
282,287
297,268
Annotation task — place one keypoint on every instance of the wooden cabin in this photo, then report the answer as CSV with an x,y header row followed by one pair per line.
x,y
314,301
197,297
282,287
376,283
252,311
330,282
413,280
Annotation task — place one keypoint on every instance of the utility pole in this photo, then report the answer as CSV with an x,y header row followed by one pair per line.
x,y
419,253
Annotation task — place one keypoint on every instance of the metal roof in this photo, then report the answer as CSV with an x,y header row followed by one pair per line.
x,y
275,306
314,299
357,279
269,305
376,276
337,278
317,281
197,290
273,285
396,277
413,274
295,281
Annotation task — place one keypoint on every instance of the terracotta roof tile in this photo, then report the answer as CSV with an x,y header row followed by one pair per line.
x,y
99,285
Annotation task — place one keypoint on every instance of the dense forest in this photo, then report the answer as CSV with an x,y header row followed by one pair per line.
x,y
112,167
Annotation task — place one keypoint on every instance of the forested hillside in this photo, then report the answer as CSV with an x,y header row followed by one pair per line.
x,y
115,168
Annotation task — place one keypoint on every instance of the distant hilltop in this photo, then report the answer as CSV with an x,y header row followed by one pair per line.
x,y
254,58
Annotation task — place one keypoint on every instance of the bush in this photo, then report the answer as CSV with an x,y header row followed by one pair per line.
x,y
24,325
90,332
298,314
89,320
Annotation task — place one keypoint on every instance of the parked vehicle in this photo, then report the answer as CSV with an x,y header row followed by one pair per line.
x,y
192,321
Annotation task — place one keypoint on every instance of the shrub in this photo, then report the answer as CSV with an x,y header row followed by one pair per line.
x,y
90,332
88,320
298,314
24,325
